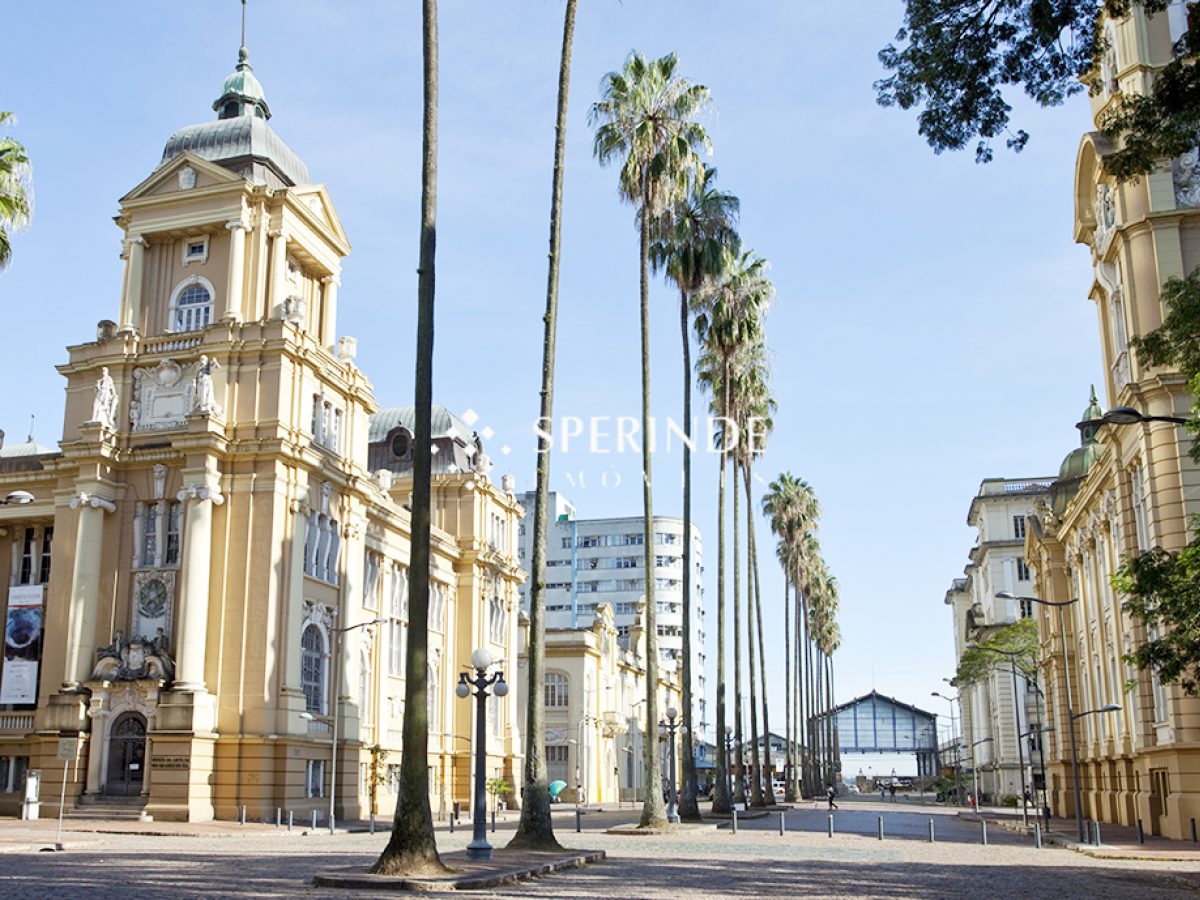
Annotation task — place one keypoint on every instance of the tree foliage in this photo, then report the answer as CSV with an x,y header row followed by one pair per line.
x,y
1017,643
1163,591
16,190
956,60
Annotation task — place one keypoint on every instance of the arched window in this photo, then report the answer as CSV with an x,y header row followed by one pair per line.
x,y
191,305
556,690
312,669
401,443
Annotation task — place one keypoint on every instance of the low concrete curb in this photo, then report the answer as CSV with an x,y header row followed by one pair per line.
x,y
467,875
636,830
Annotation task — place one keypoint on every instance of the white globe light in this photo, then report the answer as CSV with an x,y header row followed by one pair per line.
x,y
481,658
462,689
672,712
501,688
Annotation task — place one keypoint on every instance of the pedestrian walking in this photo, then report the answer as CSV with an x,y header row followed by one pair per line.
x,y
832,793
892,789
883,792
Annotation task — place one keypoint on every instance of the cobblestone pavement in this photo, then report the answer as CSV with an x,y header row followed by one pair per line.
x,y
706,863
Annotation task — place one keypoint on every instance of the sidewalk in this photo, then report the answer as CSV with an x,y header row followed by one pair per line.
x,y
17,835
1118,841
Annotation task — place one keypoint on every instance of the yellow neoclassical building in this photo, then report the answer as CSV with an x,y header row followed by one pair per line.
x,y
1126,488
191,580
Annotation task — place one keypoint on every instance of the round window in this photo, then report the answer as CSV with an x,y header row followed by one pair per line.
x,y
401,444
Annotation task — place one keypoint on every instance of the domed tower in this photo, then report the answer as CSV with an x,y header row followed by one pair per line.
x,y
1076,464
215,444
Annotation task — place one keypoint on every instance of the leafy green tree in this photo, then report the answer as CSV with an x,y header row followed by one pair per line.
x,y
412,848
955,60
536,829
646,121
1163,592
1017,642
690,242
16,190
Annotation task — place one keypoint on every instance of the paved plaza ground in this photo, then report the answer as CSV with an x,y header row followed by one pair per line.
x,y
227,861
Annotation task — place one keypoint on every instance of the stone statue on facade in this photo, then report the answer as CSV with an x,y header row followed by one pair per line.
x,y
104,405
1185,172
133,659
205,402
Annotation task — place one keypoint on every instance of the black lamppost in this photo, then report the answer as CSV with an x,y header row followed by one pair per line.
x,y
954,738
1044,729
667,730
19,498
729,760
481,661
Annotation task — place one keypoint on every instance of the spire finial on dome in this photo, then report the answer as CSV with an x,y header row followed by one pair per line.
x,y
244,28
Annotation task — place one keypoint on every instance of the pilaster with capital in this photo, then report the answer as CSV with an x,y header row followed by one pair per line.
x,y
237,269
278,280
192,637
135,266
329,312
349,615
85,586
295,601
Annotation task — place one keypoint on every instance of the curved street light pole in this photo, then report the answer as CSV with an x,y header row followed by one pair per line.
x,y
1012,664
975,769
954,737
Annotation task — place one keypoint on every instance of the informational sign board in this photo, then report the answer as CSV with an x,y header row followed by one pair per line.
x,y
68,748
22,643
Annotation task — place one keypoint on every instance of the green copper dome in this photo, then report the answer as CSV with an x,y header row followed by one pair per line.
x,y
1076,465
242,94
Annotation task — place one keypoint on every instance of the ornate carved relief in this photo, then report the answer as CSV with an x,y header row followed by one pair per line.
x,y
134,659
1106,216
317,614
187,178
1185,172
162,396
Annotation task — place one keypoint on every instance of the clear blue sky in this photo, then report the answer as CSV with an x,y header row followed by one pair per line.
x,y
931,328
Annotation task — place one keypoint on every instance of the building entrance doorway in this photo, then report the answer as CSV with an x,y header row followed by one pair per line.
x,y
126,756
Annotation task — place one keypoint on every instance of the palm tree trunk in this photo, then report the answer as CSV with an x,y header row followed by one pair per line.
x,y
412,848
756,794
536,830
689,808
721,798
830,724
653,811
739,784
789,788
797,694
752,546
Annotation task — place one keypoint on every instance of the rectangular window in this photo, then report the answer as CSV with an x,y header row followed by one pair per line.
x,y
27,548
314,778
150,536
1022,570
172,548
47,541
557,760
1018,526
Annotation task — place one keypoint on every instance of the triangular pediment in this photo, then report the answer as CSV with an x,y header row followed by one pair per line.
x,y
315,199
183,173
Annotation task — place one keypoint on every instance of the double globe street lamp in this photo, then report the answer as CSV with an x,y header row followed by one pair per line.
x,y
481,661
666,731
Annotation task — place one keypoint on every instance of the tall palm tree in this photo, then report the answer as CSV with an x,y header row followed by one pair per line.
x,y
412,848
791,507
536,830
646,118
16,190
728,321
756,414
691,239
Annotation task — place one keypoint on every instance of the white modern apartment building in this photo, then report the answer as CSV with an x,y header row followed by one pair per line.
x,y
991,722
590,562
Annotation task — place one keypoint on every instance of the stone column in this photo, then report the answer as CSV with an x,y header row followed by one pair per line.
x,y
290,643
350,613
192,629
237,270
85,588
278,278
329,313
135,267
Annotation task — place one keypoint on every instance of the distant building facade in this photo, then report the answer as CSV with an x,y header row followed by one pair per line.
x,y
991,722
591,562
